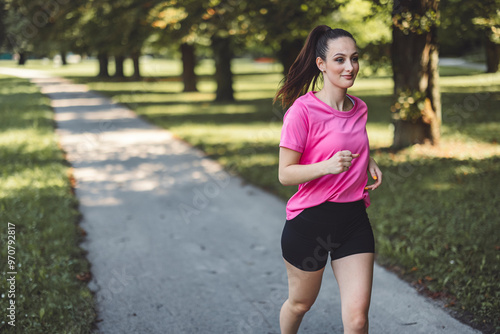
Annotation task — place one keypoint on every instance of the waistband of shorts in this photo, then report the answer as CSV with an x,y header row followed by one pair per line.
x,y
338,205
326,210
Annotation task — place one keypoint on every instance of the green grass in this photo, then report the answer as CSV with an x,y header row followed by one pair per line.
x,y
36,196
435,217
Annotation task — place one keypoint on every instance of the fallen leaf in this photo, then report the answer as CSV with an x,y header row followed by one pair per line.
x,y
82,231
84,277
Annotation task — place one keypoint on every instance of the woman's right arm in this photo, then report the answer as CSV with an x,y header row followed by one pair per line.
x,y
290,172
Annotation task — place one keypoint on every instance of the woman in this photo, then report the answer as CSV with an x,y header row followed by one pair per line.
x,y
324,149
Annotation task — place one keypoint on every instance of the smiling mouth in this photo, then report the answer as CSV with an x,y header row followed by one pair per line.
x,y
348,76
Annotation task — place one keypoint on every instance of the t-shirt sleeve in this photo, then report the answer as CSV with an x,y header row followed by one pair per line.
x,y
295,128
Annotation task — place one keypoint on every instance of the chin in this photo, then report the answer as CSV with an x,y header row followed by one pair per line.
x,y
345,86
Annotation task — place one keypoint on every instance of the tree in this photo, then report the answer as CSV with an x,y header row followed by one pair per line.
x,y
417,106
113,28
221,25
488,20
173,27
464,21
188,65
217,23
3,28
457,33
19,30
223,53
284,25
211,23
38,27
137,27
95,32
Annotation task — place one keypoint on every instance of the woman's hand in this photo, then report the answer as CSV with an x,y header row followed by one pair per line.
x,y
340,162
375,173
290,172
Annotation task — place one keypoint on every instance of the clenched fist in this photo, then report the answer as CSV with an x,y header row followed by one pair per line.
x,y
340,162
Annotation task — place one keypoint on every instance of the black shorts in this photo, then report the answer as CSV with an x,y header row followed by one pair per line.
x,y
340,229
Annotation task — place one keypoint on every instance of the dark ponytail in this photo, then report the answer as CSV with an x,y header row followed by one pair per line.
x,y
304,70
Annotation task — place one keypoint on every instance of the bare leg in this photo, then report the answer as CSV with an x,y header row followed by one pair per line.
x,y
354,275
303,288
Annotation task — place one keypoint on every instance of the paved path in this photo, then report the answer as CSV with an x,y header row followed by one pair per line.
x,y
459,62
177,245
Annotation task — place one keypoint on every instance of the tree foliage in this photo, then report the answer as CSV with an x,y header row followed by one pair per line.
x,y
370,24
283,26
469,25
39,27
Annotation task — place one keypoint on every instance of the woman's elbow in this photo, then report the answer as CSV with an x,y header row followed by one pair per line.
x,y
281,179
284,180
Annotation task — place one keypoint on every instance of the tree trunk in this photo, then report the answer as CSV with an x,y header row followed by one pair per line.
x,y
417,106
137,69
119,67
63,58
288,53
223,75
188,64
492,55
22,58
3,30
103,65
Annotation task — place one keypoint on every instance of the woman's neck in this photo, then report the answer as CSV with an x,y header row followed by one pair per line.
x,y
335,98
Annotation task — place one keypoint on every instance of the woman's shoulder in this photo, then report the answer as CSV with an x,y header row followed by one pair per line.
x,y
303,103
300,105
308,99
304,100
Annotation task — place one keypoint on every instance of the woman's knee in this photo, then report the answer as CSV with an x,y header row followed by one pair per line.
x,y
357,321
300,308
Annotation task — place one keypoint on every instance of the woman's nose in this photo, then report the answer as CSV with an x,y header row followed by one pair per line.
x,y
348,66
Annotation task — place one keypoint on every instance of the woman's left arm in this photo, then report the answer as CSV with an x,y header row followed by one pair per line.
x,y
376,174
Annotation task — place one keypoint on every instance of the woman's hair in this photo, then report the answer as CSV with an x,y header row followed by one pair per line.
x,y
304,70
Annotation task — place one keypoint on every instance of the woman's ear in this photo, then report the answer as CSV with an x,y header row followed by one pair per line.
x,y
320,63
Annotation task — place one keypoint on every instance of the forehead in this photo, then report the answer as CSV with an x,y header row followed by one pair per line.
x,y
343,45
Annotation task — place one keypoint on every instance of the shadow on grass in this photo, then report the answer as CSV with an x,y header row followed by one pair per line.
x,y
437,219
219,113
454,71
17,158
476,115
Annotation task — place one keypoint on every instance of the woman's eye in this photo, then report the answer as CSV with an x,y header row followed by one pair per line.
x,y
355,59
339,60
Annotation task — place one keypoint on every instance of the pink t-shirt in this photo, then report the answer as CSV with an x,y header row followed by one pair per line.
x,y
318,131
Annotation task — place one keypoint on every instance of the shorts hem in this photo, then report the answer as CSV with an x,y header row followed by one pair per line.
x,y
352,253
301,267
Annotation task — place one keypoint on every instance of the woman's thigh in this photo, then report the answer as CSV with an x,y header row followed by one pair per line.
x,y
354,274
303,286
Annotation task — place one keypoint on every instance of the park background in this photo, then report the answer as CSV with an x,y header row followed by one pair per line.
x,y
208,71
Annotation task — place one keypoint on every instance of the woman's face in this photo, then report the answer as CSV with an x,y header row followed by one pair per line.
x,y
341,65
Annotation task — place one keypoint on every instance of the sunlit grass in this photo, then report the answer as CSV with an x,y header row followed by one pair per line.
x,y
484,82
379,135
35,195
